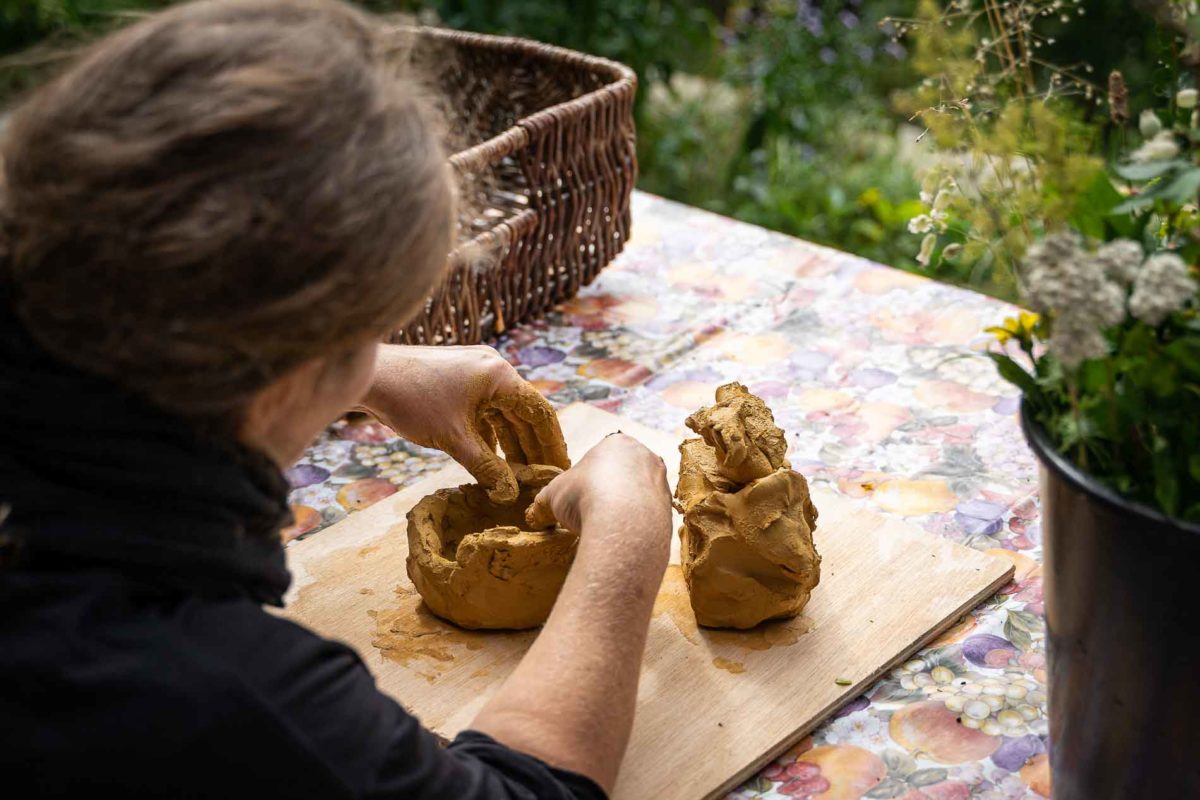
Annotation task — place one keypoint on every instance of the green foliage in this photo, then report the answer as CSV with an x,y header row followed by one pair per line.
x,y
1018,156
859,201
36,36
690,135
779,112
822,157
1129,419
654,37
1126,413
1039,165
775,112
26,22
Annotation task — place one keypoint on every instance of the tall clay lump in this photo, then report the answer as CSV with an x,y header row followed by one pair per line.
x,y
748,520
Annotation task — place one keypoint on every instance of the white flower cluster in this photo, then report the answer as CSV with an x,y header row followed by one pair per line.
x,y
937,190
1120,260
1149,125
1160,143
935,218
1162,286
1061,277
1162,147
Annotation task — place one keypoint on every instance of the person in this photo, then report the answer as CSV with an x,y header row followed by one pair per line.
x,y
206,225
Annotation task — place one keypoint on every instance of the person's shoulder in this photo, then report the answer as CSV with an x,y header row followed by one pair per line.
x,y
318,689
255,642
144,697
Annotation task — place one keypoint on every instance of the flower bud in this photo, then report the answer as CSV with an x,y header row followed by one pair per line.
x,y
1149,124
1186,98
926,253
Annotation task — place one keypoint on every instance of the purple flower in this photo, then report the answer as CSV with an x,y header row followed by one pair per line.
x,y
979,517
849,19
1015,753
539,356
303,475
1007,406
828,56
981,509
976,648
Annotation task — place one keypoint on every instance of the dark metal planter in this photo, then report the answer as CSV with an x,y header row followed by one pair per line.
x,y
1122,592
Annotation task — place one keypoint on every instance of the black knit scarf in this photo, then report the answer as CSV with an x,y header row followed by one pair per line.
x,y
92,476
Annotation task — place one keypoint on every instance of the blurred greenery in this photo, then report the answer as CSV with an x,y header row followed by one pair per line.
x,y
778,112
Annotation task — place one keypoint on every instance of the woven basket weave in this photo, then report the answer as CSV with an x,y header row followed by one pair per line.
x,y
545,179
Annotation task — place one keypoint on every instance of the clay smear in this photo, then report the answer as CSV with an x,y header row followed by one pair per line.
x,y
747,547
729,665
474,565
411,636
674,603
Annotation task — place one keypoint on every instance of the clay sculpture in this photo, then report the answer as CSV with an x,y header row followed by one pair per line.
x,y
747,546
475,566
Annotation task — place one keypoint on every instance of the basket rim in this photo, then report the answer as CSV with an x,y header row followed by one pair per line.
x,y
622,82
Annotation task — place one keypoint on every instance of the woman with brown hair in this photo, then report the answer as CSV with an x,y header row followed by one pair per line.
x,y
205,226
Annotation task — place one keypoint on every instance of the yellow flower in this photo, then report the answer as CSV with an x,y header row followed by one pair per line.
x,y
1019,327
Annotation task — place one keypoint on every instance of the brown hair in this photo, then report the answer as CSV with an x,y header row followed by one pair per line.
x,y
218,193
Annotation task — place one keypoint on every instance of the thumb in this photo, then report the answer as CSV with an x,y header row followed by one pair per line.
x,y
487,468
540,515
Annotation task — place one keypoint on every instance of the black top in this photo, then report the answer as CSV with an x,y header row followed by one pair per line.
x,y
135,655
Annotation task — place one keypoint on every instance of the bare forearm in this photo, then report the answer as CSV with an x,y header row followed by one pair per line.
x,y
571,700
395,379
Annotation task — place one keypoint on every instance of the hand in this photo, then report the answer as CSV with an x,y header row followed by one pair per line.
x,y
619,476
464,400
570,701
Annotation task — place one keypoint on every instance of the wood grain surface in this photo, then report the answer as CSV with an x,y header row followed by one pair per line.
x,y
713,706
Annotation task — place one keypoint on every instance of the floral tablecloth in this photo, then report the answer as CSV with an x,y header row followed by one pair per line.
x,y
878,378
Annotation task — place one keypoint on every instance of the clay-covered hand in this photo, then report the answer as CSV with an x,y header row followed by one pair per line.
x,y
619,476
464,400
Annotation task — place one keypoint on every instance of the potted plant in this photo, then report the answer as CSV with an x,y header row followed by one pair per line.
x,y
1110,378
1094,225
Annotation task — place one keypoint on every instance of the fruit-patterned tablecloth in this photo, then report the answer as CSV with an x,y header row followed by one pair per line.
x,y
879,379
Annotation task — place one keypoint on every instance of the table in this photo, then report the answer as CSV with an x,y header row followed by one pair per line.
x,y
879,380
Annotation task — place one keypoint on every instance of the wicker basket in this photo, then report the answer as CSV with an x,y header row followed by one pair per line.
x,y
545,178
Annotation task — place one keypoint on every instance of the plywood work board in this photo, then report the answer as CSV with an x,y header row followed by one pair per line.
x,y
713,706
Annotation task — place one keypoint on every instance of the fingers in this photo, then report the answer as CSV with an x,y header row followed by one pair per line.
x,y
526,427
488,434
542,435
531,448
539,515
487,468
492,420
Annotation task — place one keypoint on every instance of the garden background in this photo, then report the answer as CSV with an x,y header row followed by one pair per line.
x,y
778,113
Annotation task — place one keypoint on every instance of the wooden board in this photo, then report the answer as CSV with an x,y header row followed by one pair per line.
x,y
713,706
